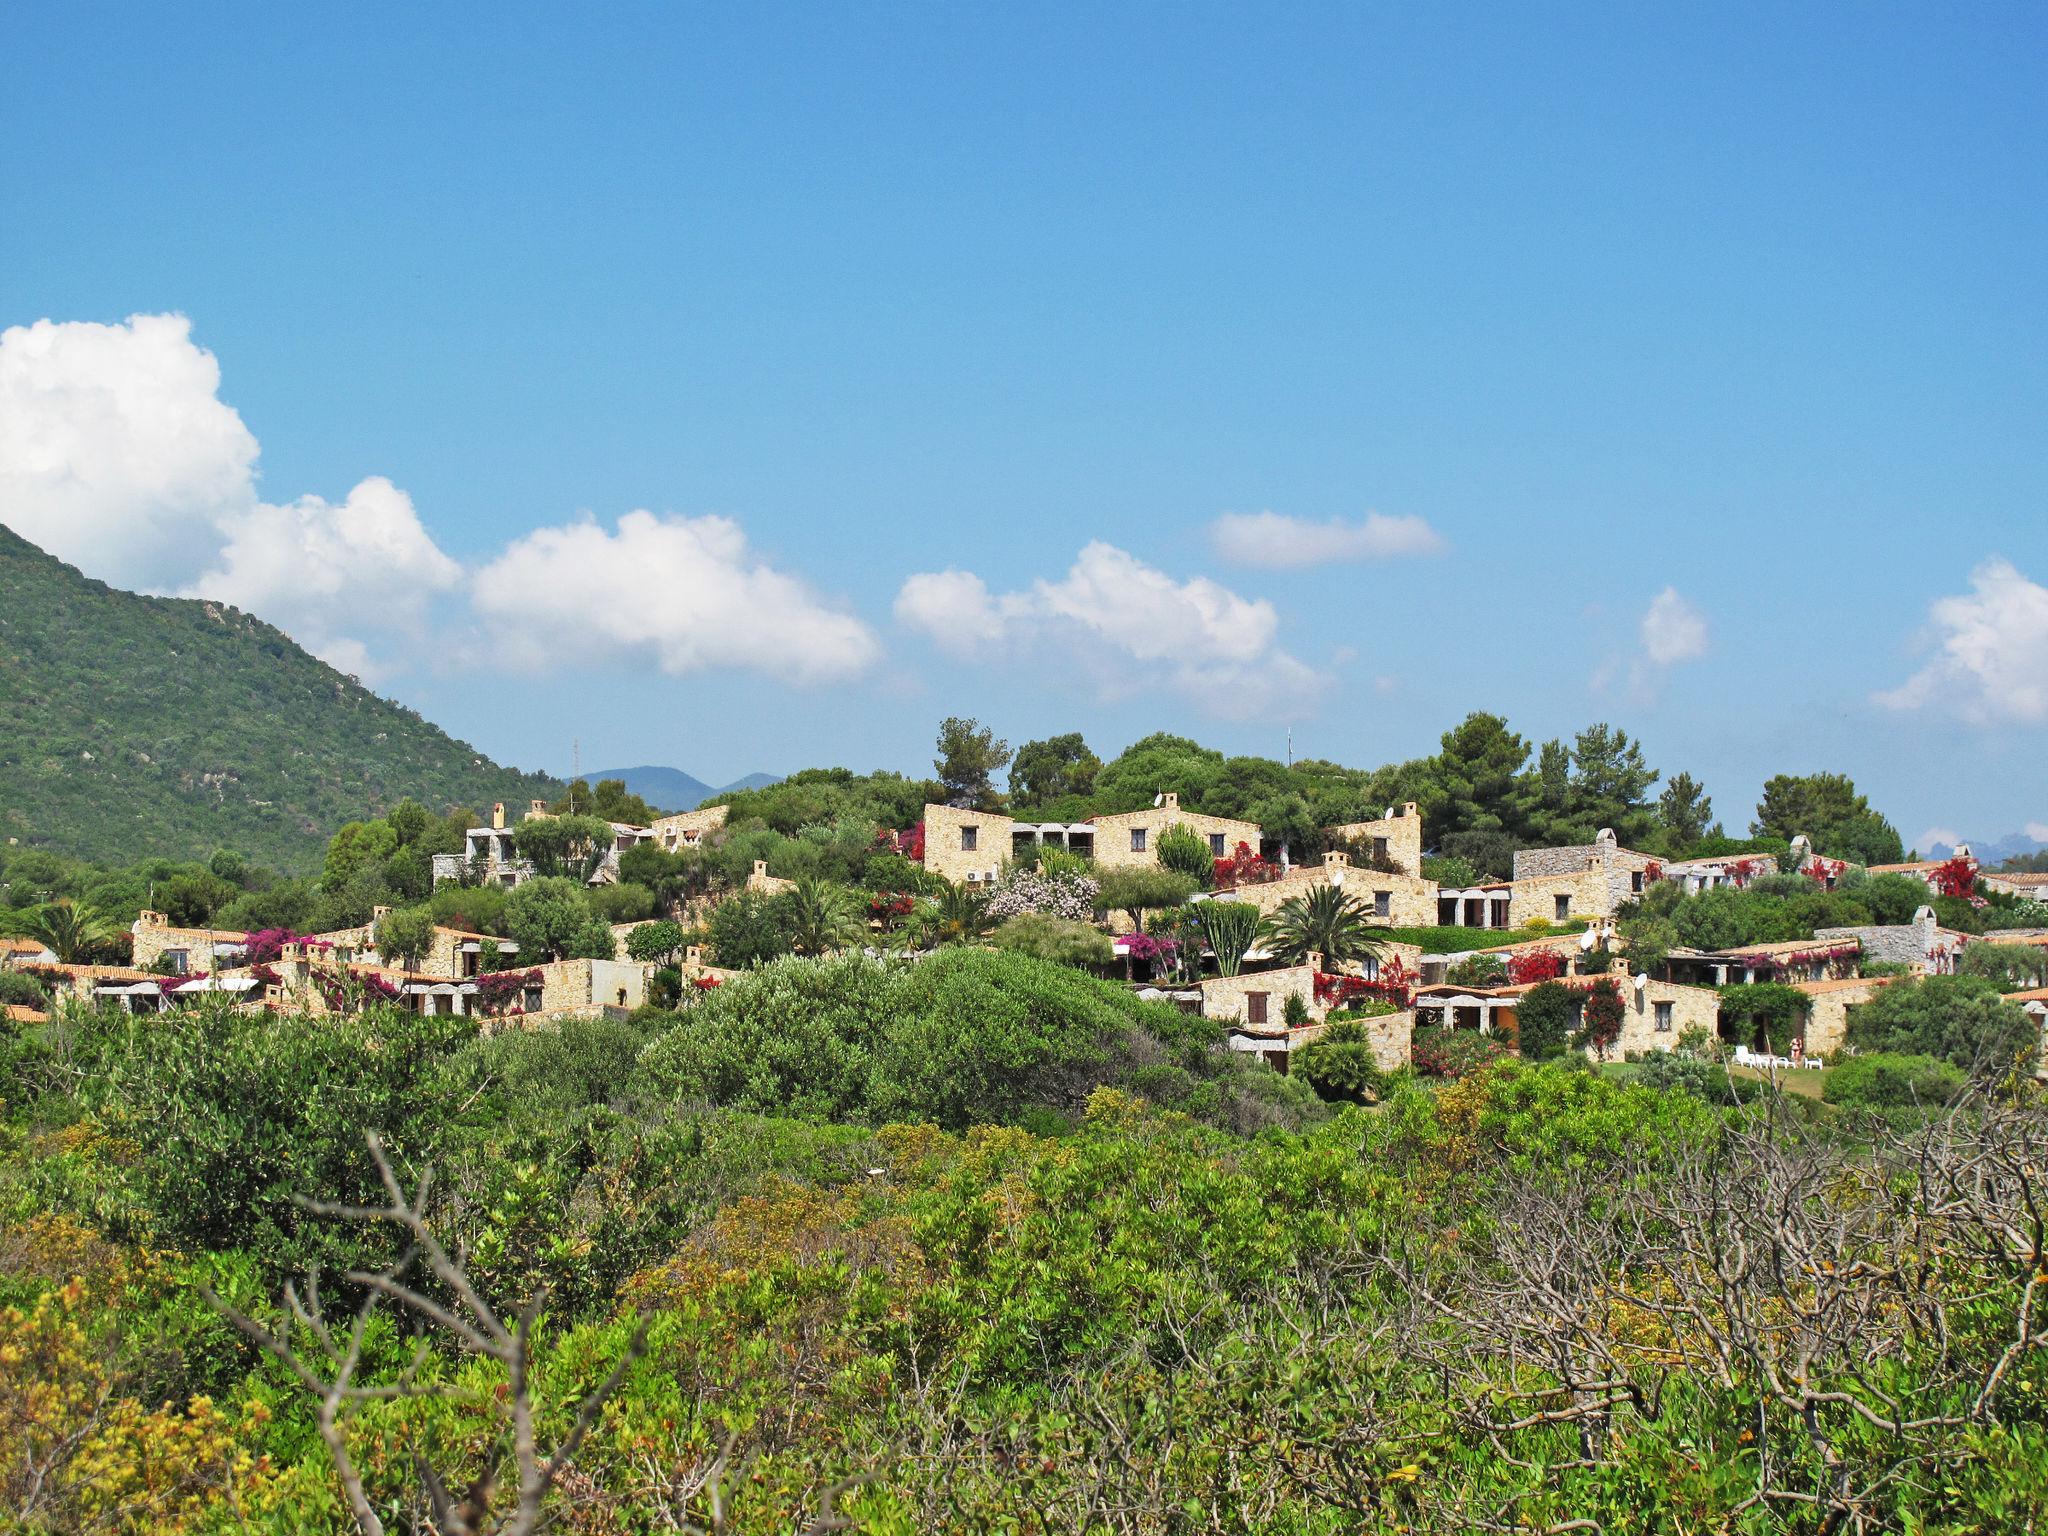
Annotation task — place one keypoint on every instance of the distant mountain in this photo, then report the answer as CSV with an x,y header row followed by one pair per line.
x,y
671,789
1992,851
137,727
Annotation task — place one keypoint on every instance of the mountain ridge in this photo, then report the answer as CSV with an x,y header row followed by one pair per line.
x,y
673,789
134,727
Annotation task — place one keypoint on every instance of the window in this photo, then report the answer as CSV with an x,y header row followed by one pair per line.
x,y
1382,903
1663,1018
1137,839
177,961
1215,845
1635,882
1255,1007
1563,907
970,839
1379,847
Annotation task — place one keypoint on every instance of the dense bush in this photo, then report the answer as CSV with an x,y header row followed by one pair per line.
x,y
1453,1052
1881,1079
1960,1019
967,1035
1054,938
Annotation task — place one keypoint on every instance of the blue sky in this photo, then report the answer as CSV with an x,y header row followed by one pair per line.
x,y
1589,303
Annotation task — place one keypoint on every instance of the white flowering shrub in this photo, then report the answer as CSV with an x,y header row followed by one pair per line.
x,y
1070,896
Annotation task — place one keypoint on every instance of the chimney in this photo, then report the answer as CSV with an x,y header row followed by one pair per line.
x,y
1410,808
1170,800
536,807
1336,858
378,914
760,869
694,955
498,817
150,920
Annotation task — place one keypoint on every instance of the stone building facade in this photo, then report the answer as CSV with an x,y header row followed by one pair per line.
x,y
1132,837
966,847
688,828
1827,1026
186,950
1394,901
1396,835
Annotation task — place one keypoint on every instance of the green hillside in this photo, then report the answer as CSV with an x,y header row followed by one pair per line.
x,y
134,726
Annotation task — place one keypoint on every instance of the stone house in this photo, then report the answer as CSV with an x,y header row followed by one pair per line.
x,y
453,952
1132,837
1791,960
1583,880
492,853
1923,870
970,847
2026,886
761,883
688,828
1571,948
1253,1009
183,951
1923,943
1396,836
1394,901
1655,1013
2034,1002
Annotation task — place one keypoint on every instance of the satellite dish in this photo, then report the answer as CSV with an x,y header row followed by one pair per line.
x,y
1158,800
1586,940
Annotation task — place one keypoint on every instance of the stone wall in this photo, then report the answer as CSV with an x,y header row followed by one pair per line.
x,y
589,986
1113,833
1410,901
1690,1008
1827,1026
1916,943
945,829
1228,998
1391,1035
1531,863
1401,833
1597,889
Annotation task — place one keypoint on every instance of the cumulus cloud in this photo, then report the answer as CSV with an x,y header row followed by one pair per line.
x,y
116,452
1273,540
1991,651
682,593
2038,831
1673,630
1126,624
335,571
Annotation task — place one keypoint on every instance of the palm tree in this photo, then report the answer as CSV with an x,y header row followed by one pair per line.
x,y
963,915
66,930
1325,922
821,917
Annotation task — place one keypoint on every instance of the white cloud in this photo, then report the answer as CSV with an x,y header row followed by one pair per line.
x,y
1271,539
1673,630
681,592
2038,831
365,565
1991,660
1947,837
116,452
1127,625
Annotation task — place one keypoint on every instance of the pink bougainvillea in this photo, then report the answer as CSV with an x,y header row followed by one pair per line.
x,y
1395,983
496,990
909,842
1824,872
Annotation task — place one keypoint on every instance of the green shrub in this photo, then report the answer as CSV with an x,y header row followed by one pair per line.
x,y
1340,1065
1545,1019
1886,1080
1961,1019
1478,971
1453,1052
1054,938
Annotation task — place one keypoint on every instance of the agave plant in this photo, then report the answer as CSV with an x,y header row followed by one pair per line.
x,y
821,917
1231,928
66,930
1325,922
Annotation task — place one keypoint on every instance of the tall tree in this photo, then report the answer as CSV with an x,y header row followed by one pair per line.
x,y
1483,773
969,758
1684,811
1610,783
1826,808
1049,769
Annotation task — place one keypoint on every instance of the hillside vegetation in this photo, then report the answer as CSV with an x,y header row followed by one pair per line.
x,y
146,726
